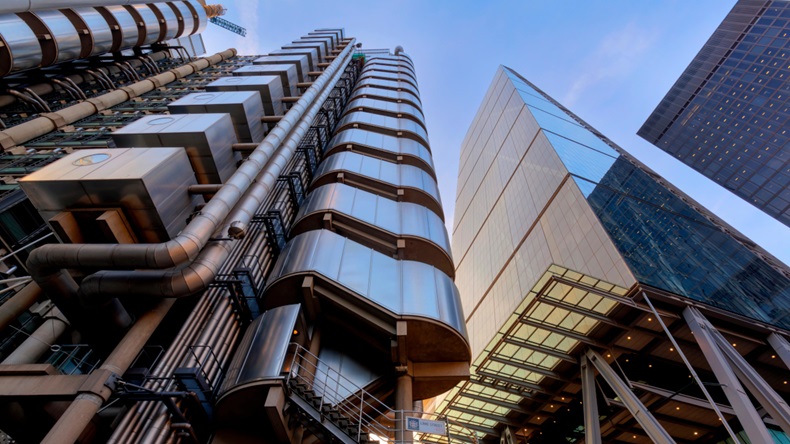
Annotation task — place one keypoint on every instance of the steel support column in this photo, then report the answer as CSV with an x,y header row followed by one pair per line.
x,y
655,431
592,423
781,346
747,415
761,390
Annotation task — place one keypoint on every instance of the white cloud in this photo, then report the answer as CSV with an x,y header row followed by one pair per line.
x,y
615,57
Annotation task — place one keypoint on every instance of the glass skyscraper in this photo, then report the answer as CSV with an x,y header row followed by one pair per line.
x,y
727,115
567,248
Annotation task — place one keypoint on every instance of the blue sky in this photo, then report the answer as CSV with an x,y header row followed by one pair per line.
x,y
609,61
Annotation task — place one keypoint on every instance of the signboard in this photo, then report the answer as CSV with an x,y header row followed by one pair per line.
x,y
426,426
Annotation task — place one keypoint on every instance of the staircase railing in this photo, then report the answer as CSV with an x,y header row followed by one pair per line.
x,y
359,414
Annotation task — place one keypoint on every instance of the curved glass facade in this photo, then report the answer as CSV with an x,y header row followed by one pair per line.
x,y
402,219
389,174
393,109
397,146
393,125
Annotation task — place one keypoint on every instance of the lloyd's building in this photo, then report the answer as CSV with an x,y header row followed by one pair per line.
x,y
225,248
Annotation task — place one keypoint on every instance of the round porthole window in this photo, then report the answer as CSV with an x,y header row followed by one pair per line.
x,y
91,159
160,121
204,96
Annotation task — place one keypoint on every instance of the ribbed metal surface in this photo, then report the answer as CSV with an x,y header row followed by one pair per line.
x,y
384,145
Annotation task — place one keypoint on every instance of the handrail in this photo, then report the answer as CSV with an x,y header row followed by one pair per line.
x,y
370,415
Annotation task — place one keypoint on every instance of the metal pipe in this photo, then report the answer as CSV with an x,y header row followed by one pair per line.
x,y
99,79
66,88
76,87
33,128
40,341
81,411
20,301
26,99
37,98
246,189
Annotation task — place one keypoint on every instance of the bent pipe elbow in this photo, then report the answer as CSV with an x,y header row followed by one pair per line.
x,y
172,283
160,267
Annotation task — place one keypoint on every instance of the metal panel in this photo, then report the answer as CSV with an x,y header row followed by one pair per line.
x,y
202,18
372,86
244,108
269,87
311,53
24,52
399,218
300,61
151,27
317,46
286,72
63,34
390,125
127,24
262,352
387,106
393,174
400,287
207,139
185,17
374,141
326,41
100,30
170,26
149,184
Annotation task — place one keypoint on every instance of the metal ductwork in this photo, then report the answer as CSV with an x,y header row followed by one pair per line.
x,y
196,258
37,34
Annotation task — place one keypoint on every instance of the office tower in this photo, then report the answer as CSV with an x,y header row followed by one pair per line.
x,y
575,260
726,116
251,249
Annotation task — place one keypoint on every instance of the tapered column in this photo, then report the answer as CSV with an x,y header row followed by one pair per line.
x,y
747,415
781,346
592,424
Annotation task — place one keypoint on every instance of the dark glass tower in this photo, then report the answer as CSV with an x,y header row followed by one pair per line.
x,y
727,115
569,251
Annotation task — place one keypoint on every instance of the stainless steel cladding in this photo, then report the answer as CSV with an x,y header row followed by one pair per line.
x,y
262,352
83,31
100,30
401,289
148,24
381,145
168,20
187,18
11,6
393,126
126,25
424,231
300,61
286,72
20,49
63,34
310,53
381,177
268,87
207,139
317,46
244,108
149,185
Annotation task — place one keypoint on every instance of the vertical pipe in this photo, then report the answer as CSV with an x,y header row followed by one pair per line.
x,y
403,402
81,411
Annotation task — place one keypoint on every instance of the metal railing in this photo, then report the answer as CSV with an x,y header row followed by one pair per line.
x,y
363,417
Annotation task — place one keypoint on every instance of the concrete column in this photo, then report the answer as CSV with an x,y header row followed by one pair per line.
x,y
40,342
403,402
